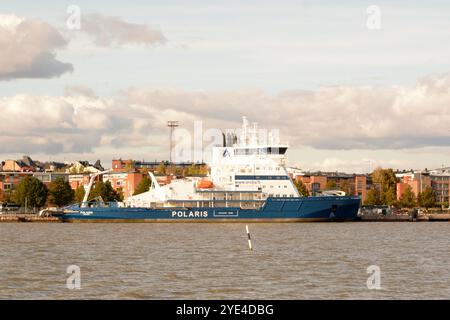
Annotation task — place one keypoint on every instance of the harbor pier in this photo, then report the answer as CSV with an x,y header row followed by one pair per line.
x,y
26,217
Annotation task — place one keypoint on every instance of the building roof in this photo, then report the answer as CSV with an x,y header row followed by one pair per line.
x,y
28,162
97,165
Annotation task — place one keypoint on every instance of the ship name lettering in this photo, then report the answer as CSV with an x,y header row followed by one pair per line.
x,y
190,214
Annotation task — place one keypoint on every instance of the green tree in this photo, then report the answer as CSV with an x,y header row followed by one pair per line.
x,y
426,198
301,188
331,185
347,187
79,193
60,193
120,195
196,169
171,169
143,185
9,196
408,199
31,192
192,170
387,182
390,196
161,169
373,197
106,191
6,196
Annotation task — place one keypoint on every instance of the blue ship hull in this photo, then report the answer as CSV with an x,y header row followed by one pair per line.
x,y
274,210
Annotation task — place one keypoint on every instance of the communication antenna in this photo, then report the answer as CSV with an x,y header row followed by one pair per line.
x,y
172,125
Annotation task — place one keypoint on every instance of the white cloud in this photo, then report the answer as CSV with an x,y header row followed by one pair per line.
x,y
28,49
328,118
79,90
333,118
355,165
107,31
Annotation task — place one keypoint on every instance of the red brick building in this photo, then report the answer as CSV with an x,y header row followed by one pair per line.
x,y
10,180
352,184
124,181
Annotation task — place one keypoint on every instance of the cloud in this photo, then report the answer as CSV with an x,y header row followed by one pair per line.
x,y
108,31
28,49
70,124
359,165
342,117
332,118
79,90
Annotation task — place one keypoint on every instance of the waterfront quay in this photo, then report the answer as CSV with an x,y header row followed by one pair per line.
x,y
409,217
26,217
406,218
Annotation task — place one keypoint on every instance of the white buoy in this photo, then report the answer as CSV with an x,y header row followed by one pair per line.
x,y
249,239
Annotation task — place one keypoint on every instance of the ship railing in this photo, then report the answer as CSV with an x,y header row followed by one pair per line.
x,y
219,203
97,204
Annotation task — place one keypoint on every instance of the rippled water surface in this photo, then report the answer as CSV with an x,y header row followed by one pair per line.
x,y
212,261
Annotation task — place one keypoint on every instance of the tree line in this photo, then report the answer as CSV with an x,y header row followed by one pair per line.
x,y
384,191
33,193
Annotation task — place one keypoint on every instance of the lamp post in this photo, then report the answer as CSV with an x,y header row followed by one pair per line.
x,y
172,125
442,189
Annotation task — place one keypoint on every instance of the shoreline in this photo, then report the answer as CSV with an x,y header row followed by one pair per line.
x,y
26,217
437,217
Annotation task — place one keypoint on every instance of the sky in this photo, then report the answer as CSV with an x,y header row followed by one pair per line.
x,y
350,85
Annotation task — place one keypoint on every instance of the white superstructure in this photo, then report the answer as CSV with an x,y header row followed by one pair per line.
x,y
246,169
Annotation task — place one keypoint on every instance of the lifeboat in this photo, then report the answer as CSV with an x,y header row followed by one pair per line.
x,y
204,184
